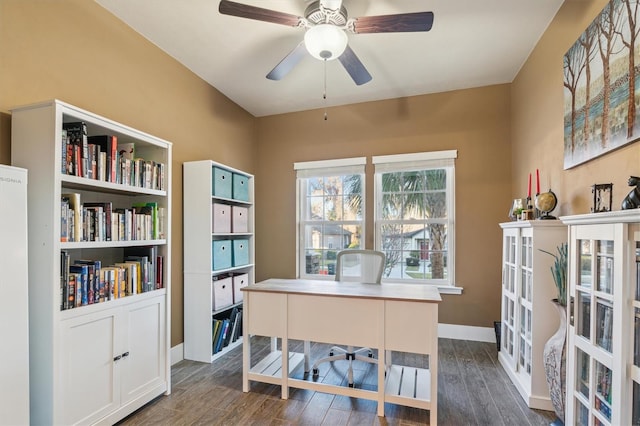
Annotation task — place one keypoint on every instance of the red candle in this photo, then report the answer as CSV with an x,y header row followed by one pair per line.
x,y
537,182
529,191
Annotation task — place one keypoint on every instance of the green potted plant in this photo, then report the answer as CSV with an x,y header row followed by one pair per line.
x,y
559,272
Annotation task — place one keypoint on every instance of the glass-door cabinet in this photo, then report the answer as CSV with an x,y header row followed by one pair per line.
x,y
528,317
603,368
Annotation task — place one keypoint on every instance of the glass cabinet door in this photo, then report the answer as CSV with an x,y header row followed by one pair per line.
x,y
525,303
593,322
635,367
509,296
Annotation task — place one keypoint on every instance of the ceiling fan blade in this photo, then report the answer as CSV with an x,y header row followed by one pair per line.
x,y
288,63
403,22
354,67
252,12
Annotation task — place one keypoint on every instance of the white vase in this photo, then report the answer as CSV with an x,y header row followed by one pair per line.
x,y
554,357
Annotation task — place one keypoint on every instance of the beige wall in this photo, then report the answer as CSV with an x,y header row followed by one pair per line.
x,y
537,125
475,122
76,51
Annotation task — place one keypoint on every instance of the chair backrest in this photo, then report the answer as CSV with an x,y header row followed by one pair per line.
x,y
365,266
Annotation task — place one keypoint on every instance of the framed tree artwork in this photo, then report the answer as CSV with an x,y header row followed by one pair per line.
x,y
601,77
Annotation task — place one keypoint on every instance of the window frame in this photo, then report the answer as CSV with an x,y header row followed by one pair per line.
x,y
323,168
417,162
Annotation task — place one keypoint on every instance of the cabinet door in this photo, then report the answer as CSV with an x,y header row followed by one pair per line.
x,y
144,349
88,372
509,291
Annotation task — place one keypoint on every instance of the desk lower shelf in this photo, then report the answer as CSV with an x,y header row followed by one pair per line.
x,y
407,386
269,369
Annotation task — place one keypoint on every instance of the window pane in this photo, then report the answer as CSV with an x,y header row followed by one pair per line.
x,y
331,220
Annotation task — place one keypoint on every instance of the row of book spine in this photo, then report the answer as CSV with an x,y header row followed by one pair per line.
x,y
86,282
100,221
226,330
101,157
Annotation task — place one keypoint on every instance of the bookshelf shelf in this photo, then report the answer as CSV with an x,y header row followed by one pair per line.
x,y
218,223
528,318
92,362
603,351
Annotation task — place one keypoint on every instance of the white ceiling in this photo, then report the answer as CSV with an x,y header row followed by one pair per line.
x,y
472,43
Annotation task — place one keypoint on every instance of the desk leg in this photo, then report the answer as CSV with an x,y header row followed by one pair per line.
x,y
285,368
307,351
381,369
246,346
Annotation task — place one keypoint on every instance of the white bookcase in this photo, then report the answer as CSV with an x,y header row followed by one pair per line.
x,y
528,317
14,303
99,362
603,345
219,249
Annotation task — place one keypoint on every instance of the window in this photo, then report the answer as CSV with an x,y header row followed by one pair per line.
x,y
330,212
414,216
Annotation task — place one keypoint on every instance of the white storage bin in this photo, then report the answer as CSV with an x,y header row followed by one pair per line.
x,y
239,281
221,218
239,222
222,295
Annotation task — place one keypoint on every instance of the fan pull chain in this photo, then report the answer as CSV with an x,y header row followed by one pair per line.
x,y
324,94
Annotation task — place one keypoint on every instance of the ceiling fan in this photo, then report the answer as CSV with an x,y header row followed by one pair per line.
x,y
327,23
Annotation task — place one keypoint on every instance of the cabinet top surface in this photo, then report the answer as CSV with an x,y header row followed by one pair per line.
x,y
409,292
632,215
533,224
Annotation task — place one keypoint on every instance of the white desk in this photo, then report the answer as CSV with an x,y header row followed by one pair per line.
x,y
400,317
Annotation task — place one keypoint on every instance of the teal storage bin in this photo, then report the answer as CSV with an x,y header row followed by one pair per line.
x,y
240,252
240,187
221,182
221,254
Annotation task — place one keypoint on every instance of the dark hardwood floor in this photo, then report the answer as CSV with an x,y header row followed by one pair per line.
x,y
473,389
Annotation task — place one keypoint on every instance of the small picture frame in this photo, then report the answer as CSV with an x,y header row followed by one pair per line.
x,y
602,197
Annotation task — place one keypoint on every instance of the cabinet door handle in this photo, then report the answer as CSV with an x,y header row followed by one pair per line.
x,y
571,314
126,354
117,358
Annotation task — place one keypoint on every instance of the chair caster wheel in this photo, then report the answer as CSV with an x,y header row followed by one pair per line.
x,y
350,385
370,354
331,353
316,372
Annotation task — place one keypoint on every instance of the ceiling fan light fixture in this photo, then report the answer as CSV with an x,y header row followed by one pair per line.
x,y
325,41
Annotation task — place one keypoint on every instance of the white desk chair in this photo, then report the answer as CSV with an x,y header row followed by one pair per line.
x,y
365,266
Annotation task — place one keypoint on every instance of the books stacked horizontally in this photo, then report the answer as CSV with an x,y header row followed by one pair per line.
x,y
85,282
104,158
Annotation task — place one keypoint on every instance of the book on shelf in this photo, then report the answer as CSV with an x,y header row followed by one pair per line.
x,y
147,257
232,325
64,219
215,333
109,145
75,232
223,331
64,281
237,327
103,217
111,276
130,277
150,209
95,285
82,283
78,140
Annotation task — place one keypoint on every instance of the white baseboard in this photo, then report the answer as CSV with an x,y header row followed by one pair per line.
x,y
467,332
177,353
